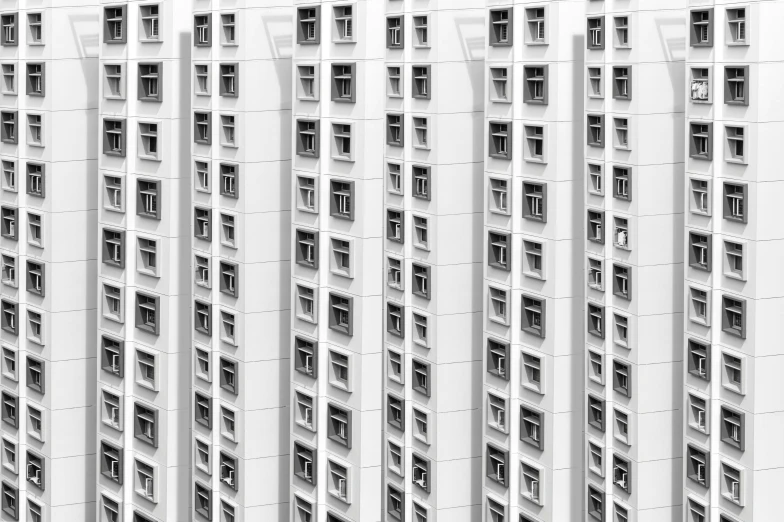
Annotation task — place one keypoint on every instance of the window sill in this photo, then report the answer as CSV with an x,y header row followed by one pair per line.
x,y
737,277
339,273
536,44
229,44
302,425
344,41
534,388
228,340
149,158
150,273
596,145
622,440
500,321
738,44
702,102
696,427
13,285
734,333
501,100
596,380
729,498
343,158
148,385
623,344
38,145
736,161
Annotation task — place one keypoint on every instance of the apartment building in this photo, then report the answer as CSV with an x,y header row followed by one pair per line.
x,y
336,234
732,400
49,61
241,211
634,113
433,102
143,245
532,244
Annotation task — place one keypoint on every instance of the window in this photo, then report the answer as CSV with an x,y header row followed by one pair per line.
x,y
499,196
10,312
112,411
395,415
733,425
500,85
114,199
421,472
621,140
700,251
622,378
735,86
698,413
533,315
339,370
145,480
145,420
497,412
498,251
737,26
35,130
536,32
699,309
202,79
596,458
202,130
700,87
498,359
9,175
395,226
114,247
622,32
36,273
150,81
35,324
395,273
228,130
394,81
621,330
228,278
596,130
228,230
306,306
421,132
147,310
532,427
621,432
622,83
8,85
304,509
36,472
228,470
395,366
536,84
344,23
339,425
395,458
148,198
420,31
150,27
308,138
114,29
112,355
341,204
595,38
36,375
202,503
305,356
596,412
733,319
309,25
622,473
35,230
338,485
596,82
307,200
622,281
114,81
500,140
202,223
535,201
735,144
202,364
735,202
596,226
497,465
732,377
395,130
395,506
421,237
111,509
395,321
531,483
395,39
596,320
733,260
8,132
420,377
421,280
228,29
501,27
698,465
732,484
35,79
344,82
9,363
699,359
114,137
535,143
202,317
701,143
421,83
112,462
307,251
699,203
341,314
499,306
596,367
701,28
341,146
10,409
202,30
